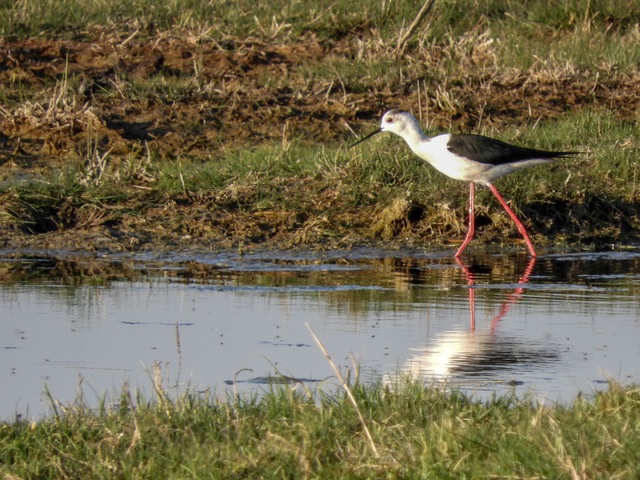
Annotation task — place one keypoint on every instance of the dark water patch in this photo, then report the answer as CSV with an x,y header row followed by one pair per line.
x,y
274,380
282,344
289,289
166,324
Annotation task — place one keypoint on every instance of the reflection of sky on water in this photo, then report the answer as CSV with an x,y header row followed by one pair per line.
x,y
472,355
571,325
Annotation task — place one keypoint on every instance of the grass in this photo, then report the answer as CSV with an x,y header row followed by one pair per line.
x,y
293,433
236,131
316,180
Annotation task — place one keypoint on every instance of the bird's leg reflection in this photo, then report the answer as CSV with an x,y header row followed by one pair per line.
x,y
514,296
468,273
506,305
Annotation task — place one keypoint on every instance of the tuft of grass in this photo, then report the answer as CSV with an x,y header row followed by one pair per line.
x,y
285,432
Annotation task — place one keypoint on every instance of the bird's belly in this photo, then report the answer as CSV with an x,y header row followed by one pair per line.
x,y
462,169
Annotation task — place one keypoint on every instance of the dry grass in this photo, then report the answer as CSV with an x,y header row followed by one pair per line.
x,y
237,126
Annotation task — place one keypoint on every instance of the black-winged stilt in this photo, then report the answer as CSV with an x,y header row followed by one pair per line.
x,y
472,158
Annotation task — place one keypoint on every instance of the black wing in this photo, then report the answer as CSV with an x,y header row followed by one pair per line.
x,y
495,152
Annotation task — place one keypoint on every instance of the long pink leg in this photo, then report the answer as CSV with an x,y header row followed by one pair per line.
x,y
521,228
472,220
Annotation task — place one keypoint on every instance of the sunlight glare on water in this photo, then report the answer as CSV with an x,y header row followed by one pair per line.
x,y
552,328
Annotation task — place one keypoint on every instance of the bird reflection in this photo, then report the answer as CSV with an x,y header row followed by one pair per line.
x,y
477,354
509,301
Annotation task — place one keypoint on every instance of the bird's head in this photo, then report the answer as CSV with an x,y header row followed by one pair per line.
x,y
395,121
398,122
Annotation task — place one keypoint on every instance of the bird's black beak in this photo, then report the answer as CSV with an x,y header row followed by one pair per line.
x,y
375,132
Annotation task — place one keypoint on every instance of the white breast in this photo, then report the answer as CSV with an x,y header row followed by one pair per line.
x,y
435,152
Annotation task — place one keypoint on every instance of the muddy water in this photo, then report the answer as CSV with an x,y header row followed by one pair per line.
x,y
562,325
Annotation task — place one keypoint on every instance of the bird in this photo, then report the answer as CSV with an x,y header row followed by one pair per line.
x,y
476,159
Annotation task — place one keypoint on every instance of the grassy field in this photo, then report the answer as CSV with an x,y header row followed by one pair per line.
x,y
226,123
292,433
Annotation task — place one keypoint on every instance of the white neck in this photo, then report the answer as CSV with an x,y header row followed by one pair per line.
x,y
412,134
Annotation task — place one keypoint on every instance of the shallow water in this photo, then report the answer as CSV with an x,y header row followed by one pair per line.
x,y
564,324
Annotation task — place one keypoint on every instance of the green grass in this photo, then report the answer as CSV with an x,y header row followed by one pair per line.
x,y
416,432
497,67
313,179
584,33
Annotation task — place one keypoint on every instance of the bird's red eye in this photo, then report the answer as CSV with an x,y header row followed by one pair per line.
x,y
389,120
